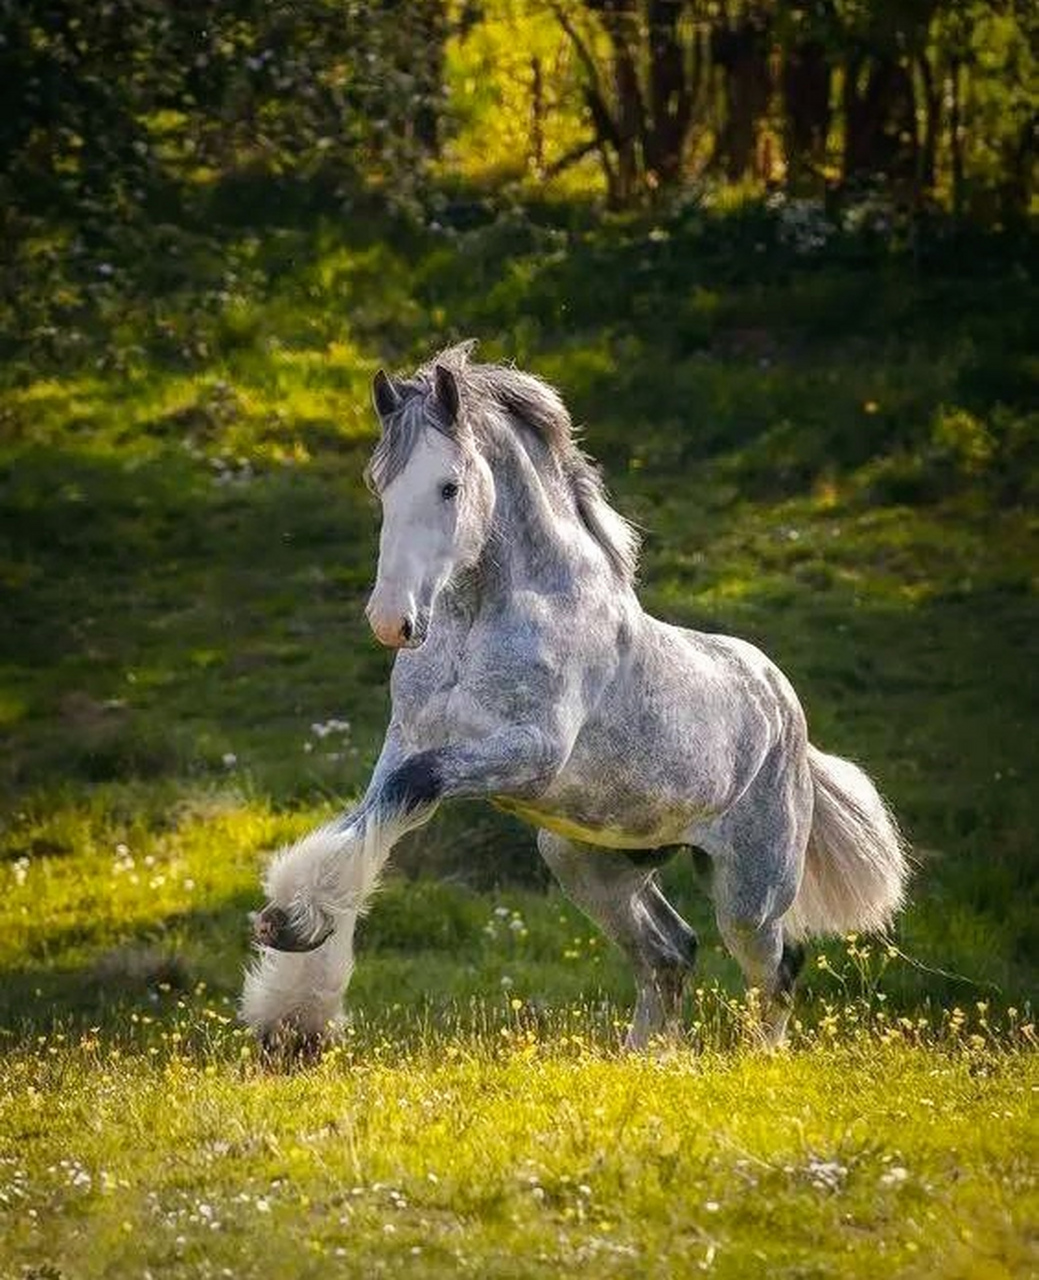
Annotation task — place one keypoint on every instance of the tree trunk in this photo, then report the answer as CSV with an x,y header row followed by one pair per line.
x,y
620,18
879,122
537,117
431,19
928,165
956,140
741,53
1019,166
669,94
805,79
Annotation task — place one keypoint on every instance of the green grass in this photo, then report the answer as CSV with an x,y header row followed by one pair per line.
x,y
525,1150
833,456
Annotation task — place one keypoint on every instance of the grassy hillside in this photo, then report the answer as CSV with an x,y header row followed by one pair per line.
x,y
832,451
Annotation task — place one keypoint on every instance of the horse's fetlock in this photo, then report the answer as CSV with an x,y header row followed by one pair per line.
x,y
790,965
679,958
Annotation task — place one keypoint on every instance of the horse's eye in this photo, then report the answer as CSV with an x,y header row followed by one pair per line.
x,y
448,490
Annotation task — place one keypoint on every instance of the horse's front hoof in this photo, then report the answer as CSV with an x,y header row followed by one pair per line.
x,y
273,928
285,1048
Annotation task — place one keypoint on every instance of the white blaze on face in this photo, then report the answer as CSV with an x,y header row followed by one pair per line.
x,y
420,543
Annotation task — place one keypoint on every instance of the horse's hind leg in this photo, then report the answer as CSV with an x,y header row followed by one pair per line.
x,y
623,899
770,965
757,865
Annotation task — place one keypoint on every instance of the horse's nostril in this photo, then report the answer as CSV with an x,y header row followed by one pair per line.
x,y
406,628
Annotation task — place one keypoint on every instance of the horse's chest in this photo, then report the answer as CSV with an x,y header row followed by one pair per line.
x,y
442,711
457,695
450,715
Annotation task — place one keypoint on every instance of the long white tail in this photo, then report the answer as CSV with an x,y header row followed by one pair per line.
x,y
856,866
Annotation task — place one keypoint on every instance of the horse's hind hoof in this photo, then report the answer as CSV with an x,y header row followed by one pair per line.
x,y
273,928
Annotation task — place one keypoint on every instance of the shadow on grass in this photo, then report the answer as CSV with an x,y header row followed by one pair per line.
x,y
151,612
144,969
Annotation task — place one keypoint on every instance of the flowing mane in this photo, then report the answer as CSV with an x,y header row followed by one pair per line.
x,y
523,401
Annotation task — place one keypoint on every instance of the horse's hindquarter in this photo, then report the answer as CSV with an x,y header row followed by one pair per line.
x,y
673,741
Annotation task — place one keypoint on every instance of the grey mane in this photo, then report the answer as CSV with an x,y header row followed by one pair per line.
x,y
496,391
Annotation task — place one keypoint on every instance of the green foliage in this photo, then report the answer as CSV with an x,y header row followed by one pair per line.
x,y
186,542
515,105
124,109
925,102
119,108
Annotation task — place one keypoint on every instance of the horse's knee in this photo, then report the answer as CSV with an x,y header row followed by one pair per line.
x,y
415,784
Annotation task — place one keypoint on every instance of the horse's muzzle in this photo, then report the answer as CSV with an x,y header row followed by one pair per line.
x,y
399,632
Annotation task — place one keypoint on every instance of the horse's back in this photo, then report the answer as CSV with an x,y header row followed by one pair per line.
x,y
677,735
730,688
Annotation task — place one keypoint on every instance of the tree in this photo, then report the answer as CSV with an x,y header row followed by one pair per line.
x,y
643,63
270,86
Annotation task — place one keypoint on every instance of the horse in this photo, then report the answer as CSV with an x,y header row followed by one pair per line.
x,y
528,674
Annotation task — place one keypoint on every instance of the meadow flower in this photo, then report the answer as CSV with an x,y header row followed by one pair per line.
x,y
826,1175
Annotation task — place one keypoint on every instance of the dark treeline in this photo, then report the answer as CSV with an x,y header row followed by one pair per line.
x,y
932,100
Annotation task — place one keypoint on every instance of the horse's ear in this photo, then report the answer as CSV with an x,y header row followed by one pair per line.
x,y
385,395
446,387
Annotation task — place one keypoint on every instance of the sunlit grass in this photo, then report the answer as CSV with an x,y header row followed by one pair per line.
x,y
525,1146
478,1112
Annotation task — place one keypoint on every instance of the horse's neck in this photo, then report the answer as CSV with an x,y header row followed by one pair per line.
x,y
537,538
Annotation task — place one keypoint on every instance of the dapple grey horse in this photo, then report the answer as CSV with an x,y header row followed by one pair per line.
x,y
529,675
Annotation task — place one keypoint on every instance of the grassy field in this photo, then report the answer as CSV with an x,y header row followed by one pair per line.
x,y
522,1153
832,452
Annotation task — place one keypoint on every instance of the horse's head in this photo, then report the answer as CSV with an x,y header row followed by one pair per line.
x,y
437,494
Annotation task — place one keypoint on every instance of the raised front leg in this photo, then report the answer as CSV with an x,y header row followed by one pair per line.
x,y
623,899
334,869
316,890
317,887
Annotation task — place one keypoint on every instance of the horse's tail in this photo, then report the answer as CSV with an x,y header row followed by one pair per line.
x,y
856,864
